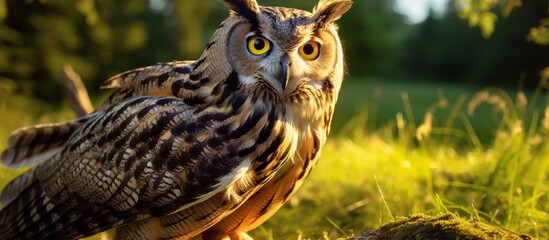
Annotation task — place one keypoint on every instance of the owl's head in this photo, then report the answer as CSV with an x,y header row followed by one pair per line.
x,y
281,53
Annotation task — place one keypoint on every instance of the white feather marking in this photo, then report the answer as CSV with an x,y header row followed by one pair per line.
x,y
241,179
247,80
237,179
294,136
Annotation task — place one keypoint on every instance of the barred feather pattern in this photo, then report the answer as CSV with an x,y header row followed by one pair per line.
x,y
25,145
203,149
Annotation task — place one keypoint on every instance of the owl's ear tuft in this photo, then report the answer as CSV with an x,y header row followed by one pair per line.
x,y
244,8
328,11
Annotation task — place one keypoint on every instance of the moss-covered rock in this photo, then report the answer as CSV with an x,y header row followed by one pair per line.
x,y
448,226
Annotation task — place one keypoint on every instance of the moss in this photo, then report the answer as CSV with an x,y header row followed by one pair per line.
x,y
448,226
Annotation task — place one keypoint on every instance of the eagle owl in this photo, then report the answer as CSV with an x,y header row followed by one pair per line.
x,y
205,149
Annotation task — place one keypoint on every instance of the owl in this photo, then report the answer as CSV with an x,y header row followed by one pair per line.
x,y
205,149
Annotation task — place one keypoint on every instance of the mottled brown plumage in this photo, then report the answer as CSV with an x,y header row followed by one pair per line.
x,y
205,149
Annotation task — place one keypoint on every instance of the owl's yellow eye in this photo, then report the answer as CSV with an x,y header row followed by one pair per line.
x,y
258,45
310,50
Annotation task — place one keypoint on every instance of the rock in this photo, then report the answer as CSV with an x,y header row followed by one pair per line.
x,y
448,226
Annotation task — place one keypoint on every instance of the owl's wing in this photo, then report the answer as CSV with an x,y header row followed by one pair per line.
x,y
35,144
162,79
144,156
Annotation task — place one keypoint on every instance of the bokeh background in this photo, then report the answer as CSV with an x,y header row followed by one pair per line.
x,y
426,48
443,108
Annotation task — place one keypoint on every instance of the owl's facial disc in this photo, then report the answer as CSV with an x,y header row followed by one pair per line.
x,y
281,54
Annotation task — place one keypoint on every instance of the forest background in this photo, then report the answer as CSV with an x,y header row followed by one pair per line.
x,y
410,114
101,38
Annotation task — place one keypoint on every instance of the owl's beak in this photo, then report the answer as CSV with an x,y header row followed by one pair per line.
x,y
284,73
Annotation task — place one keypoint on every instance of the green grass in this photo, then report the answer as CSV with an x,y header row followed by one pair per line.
x,y
394,154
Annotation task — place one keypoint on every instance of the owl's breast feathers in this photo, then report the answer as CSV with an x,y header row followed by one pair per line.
x,y
171,146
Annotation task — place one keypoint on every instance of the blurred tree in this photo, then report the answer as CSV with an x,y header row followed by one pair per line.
x,y
33,43
373,36
98,37
444,48
531,59
191,26
480,13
